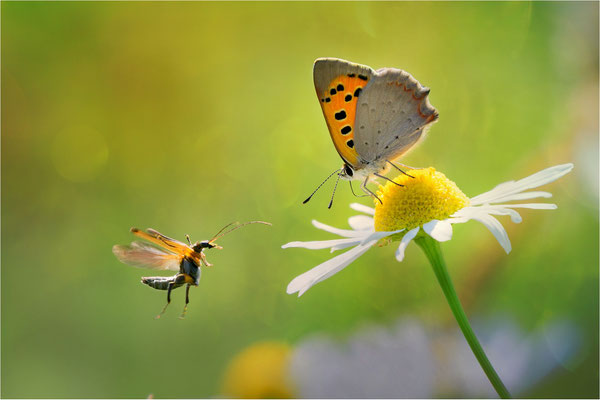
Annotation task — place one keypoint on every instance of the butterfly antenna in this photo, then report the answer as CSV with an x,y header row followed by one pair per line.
x,y
319,187
334,188
223,232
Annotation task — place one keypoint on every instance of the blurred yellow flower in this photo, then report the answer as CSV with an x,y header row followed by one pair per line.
x,y
259,372
404,358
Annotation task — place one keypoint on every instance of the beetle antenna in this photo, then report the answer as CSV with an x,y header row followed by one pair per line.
x,y
222,229
223,232
334,189
319,187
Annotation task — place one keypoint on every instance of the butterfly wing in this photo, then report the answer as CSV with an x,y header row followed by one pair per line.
x,y
142,255
392,114
339,84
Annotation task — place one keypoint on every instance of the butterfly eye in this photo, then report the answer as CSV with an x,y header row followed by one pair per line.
x,y
348,170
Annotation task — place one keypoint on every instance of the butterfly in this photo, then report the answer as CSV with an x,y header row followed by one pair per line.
x,y
172,255
373,117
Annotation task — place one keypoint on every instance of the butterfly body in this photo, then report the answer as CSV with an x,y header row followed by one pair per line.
x,y
373,117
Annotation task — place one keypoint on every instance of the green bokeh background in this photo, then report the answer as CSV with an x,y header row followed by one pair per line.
x,y
186,116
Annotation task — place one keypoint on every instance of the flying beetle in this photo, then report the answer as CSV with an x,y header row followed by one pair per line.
x,y
172,255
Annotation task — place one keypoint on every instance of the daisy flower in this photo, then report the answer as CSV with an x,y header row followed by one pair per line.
x,y
428,204
423,207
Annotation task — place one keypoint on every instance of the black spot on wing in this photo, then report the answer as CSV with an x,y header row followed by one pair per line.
x,y
332,91
350,143
348,97
363,77
340,115
357,92
346,130
340,88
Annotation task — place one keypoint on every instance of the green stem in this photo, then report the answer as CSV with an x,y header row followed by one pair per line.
x,y
432,250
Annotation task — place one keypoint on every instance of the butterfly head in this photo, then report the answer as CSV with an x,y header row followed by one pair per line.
x,y
347,172
351,173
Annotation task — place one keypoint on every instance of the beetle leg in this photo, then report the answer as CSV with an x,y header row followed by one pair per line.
x,y
178,280
187,300
168,300
203,259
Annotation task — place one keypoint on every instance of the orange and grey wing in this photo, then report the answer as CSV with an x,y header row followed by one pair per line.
x,y
393,113
158,238
339,84
146,256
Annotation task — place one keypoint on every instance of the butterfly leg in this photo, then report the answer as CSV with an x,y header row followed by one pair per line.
x,y
399,169
388,179
365,189
357,195
187,300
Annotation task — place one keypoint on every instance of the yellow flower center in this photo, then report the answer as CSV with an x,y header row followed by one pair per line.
x,y
427,196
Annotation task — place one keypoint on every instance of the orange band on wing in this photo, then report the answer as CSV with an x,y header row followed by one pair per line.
x,y
339,107
165,242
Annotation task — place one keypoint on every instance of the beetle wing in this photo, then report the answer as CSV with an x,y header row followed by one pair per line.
x,y
163,241
142,255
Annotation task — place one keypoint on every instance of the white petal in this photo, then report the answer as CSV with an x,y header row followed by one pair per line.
x,y
439,230
337,231
458,220
466,213
514,216
380,235
361,222
509,188
496,210
545,176
342,246
497,230
330,267
535,206
501,190
372,236
323,244
362,208
522,196
410,235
